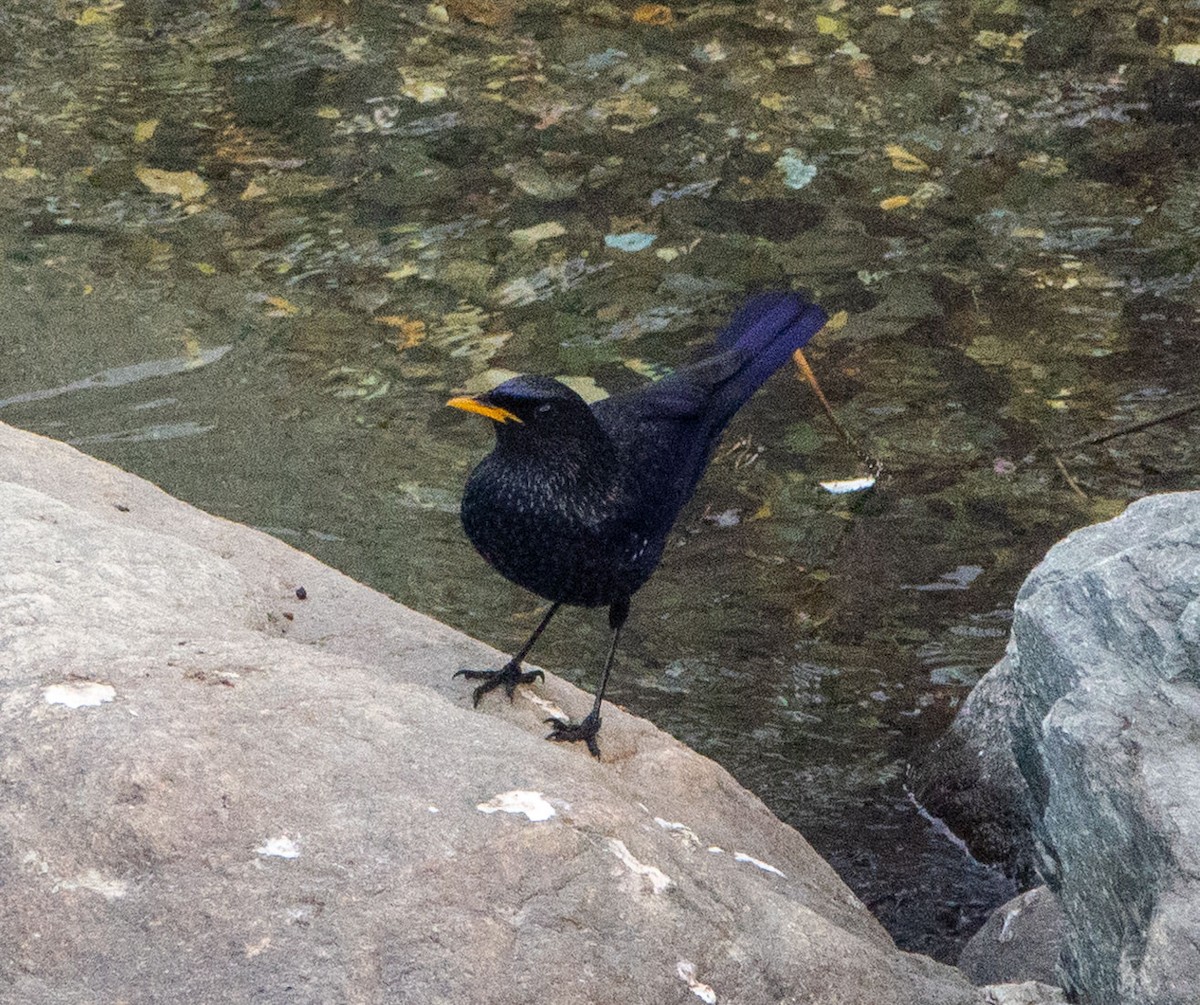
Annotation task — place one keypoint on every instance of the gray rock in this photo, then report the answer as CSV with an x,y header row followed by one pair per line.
x,y
1028,993
1097,704
1021,941
970,779
215,791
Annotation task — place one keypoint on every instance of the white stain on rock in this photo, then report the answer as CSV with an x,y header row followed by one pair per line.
x,y
279,847
688,836
532,804
77,694
35,863
90,879
741,856
549,707
659,881
686,970
253,949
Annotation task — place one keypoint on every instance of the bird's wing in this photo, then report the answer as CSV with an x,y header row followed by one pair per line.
x,y
684,394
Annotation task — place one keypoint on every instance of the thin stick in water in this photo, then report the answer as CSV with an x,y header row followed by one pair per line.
x,y
1133,427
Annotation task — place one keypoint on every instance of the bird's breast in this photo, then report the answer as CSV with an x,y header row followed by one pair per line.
x,y
564,539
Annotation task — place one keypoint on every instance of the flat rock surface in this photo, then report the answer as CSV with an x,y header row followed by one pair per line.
x,y
216,791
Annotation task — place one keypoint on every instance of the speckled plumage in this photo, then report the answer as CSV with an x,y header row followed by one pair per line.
x,y
575,502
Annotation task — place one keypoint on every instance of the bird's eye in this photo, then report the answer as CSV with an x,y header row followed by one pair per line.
x,y
543,408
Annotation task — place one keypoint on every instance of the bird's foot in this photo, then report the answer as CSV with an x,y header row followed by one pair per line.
x,y
507,677
585,729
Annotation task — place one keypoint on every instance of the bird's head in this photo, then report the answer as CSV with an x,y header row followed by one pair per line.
x,y
530,407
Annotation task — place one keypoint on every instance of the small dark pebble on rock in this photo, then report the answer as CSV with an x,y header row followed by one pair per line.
x,y
301,593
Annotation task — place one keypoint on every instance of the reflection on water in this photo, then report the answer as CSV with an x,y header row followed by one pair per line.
x,y
375,204
119,376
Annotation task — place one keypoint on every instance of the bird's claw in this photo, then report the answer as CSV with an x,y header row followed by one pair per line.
x,y
508,677
570,732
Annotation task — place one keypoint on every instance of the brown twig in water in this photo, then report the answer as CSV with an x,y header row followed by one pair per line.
x,y
1070,481
1133,427
806,371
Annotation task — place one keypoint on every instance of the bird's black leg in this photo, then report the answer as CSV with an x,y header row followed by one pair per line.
x,y
510,675
587,727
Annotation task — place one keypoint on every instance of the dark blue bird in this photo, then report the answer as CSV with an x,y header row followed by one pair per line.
x,y
575,502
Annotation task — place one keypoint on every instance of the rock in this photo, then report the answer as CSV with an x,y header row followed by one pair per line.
x,y
409,178
1063,40
1174,94
971,781
230,773
1029,993
1021,941
1097,704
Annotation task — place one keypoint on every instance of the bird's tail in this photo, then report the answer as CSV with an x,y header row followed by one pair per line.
x,y
767,329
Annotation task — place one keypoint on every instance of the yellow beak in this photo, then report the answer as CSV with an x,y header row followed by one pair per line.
x,y
493,412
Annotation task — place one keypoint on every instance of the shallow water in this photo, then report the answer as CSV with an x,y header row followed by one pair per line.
x,y
250,249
